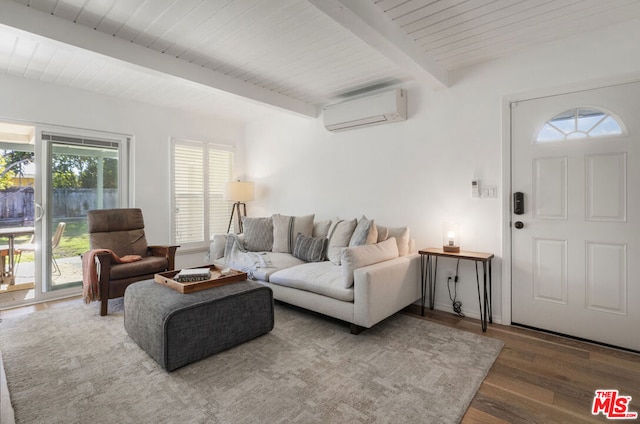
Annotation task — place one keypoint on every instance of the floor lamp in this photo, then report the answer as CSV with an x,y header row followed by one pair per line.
x,y
238,192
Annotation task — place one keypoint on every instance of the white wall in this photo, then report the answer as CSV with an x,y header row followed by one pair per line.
x,y
151,127
418,173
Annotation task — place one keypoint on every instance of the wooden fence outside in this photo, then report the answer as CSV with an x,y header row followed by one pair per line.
x,y
17,204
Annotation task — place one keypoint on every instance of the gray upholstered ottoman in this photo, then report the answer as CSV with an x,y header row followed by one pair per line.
x,y
177,329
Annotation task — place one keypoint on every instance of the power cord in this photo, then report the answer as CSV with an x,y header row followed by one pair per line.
x,y
457,305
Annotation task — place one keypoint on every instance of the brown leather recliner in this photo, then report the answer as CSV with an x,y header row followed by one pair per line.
x,y
122,231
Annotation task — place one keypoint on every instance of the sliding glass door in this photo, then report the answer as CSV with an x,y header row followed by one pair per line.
x,y
17,213
56,178
83,174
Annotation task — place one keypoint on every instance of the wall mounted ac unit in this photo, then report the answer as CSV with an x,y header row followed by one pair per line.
x,y
373,109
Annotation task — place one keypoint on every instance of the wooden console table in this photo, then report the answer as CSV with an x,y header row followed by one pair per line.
x,y
429,270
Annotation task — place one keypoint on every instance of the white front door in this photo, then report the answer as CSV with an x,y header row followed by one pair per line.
x,y
576,256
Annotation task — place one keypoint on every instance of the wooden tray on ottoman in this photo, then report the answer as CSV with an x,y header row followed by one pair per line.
x,y
217,279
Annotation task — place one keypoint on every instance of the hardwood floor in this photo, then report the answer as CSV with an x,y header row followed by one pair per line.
x,y
23,310
537,378
543,378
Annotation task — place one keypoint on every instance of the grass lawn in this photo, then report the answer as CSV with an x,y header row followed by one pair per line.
x,y
74,241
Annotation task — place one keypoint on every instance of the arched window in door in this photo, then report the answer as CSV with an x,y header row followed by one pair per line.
x,y
581,122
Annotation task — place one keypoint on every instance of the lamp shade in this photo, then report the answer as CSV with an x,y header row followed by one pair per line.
x,y
238,191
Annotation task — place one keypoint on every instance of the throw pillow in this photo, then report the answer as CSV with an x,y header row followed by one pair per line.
x,y
339,235
309,249
216,247
402,237
383,233
365,233
321,229
258,234
286,228
368,254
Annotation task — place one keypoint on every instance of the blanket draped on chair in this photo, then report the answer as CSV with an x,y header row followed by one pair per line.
x,y
90,281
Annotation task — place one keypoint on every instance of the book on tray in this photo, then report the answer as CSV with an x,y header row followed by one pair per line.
x,y
192,275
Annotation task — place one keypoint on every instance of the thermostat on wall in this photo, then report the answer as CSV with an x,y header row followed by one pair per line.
x,y
475,189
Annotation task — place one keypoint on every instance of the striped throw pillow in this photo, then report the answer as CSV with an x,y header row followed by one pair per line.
x,y
309,249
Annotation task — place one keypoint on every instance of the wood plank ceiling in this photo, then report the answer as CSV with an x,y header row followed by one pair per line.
x,y
460,33
210,56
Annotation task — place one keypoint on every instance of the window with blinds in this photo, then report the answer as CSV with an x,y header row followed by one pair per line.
x,y
199,173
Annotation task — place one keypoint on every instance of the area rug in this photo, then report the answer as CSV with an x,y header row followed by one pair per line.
x,y
69,365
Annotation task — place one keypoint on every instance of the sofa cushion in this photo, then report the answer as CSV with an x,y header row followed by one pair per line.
x,y
277,262
365,233
146,266
258,265
286,228
401,235
339,236
309,249
322,278
368,254
321,229
258,234
383,233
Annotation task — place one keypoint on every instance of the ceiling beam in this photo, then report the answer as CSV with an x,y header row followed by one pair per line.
x,y
368,22
28,19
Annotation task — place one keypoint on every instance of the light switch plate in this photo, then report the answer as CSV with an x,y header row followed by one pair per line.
x,y
489,192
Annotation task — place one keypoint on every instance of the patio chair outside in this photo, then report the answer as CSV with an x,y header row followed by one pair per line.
x,y
30,247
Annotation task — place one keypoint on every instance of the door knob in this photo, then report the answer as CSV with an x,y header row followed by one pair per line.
x,y
519,225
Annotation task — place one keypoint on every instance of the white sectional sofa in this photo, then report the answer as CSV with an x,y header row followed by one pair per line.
x,y
352,270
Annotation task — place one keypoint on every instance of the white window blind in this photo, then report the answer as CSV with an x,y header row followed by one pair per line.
x,y
220,172
199,173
